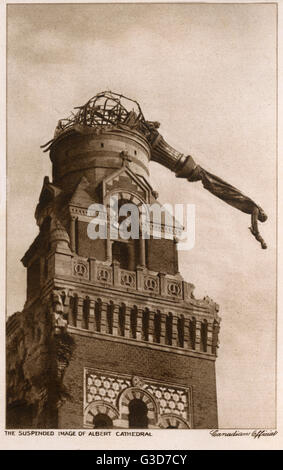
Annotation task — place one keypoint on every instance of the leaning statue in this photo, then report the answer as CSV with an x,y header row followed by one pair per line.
x,y
108,110
185,167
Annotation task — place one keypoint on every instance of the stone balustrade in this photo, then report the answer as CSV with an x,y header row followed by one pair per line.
x,y
143,280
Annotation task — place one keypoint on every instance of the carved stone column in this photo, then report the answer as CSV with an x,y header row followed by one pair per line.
x,y
116,267
139,323
186,333
198,335
73,233
142,252
80,312
109,250
103,324
174,330
91,315
127,321
162,284
151,326
140,278
92,269
116,310
162,327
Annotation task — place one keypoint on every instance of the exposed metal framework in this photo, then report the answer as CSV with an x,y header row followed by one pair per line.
x,y
106,108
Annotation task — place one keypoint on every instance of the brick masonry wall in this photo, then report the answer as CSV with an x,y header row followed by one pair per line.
x,y
138,360
88,247
162,256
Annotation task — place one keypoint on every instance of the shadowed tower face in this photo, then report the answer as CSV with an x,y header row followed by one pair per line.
x,y
111,335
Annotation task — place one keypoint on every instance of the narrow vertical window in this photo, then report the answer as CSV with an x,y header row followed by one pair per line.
x,y
145,324
180,330
133,322
168,329
157,327
138,414
110,309
86,305
192,333
97,315
73,311
121,320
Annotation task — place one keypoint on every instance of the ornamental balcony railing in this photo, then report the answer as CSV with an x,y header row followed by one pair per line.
x,y
141,280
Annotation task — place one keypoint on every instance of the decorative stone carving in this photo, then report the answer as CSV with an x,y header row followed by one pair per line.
x,y
99,407
80,268
58,234
172,421
135,393
59,320
128,279
174,288
151,284
125,157
111,388
137,381
104,274
211,303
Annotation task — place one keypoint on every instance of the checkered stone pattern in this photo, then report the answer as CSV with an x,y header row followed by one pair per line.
x,y
104,387
171,400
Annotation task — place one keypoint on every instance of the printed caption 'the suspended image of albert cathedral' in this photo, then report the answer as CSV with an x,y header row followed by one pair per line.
x,y
111,336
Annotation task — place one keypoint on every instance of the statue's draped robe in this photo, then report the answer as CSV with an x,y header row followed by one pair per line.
x,y
232,196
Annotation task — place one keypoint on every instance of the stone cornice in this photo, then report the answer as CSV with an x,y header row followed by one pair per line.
x,y
193,306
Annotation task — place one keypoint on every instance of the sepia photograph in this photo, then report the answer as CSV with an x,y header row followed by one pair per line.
x,y
141,219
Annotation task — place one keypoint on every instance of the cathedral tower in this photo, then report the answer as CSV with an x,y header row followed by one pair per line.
x,y
111,335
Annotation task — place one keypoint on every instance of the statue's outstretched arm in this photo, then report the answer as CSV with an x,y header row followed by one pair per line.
x,y
185,167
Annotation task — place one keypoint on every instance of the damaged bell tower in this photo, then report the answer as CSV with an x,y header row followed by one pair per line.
x,y
111,335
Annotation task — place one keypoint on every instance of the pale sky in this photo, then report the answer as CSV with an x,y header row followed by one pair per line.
x,y
208,74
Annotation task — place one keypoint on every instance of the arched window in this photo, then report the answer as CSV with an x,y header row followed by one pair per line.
x,y
133,321
85,318
97,315
145,324
168,329
102,421
180,329
192,333
157,327
137,414
171,421
121,320
110,308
